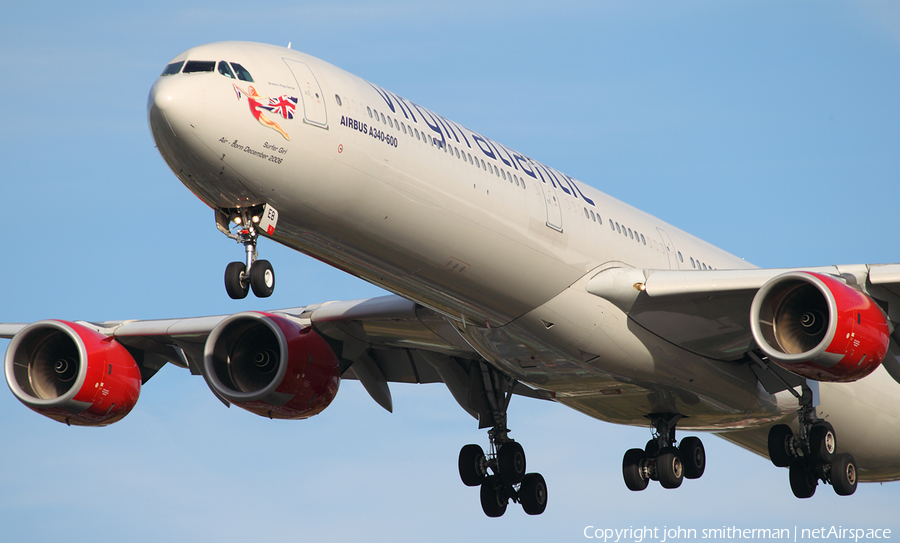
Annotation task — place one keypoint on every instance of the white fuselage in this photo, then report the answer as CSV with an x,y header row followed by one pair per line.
x,y
500,244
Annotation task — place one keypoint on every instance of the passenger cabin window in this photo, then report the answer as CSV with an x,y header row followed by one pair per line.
x,y
199,66
225,69
241,72
173,68
337,99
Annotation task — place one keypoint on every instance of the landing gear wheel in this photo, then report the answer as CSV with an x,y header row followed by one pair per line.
x,y
533,494
843,474
669,468
235,285
780,438
493,498
822,441
693,456
472,465
262,279
511,460
803,482
633,471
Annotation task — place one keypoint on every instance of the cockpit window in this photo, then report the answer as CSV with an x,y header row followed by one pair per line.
x,y
225,70
241,72
196,66
173,68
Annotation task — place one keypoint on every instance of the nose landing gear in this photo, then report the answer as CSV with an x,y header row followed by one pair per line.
x,y
255,274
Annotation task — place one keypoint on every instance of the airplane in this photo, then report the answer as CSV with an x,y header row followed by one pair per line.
x,y
508,278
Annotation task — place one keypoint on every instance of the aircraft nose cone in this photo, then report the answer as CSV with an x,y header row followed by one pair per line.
x,y
176,103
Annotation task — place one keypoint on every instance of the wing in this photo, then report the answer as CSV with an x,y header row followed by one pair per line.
x,y
706,312
376,341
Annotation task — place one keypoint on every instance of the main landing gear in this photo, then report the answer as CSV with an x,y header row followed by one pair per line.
x,y
501,473
255,274
660,460
810,453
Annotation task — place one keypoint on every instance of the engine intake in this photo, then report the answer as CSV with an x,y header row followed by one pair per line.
x,y
818,327
72,374
271,366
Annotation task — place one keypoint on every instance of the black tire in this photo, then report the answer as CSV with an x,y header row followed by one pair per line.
x,y
262,278
511,461
533,494
632,470
669,468
843,474
472,465
235,286
693,456
780,438
822,442
493,500
803,482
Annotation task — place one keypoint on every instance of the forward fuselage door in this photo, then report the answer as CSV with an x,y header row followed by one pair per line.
x,y
313,100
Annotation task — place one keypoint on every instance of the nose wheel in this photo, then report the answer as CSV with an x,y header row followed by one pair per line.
x,y
252,274
261,279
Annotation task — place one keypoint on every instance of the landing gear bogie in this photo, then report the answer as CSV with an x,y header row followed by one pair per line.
x,y
501,472
660,460
810,453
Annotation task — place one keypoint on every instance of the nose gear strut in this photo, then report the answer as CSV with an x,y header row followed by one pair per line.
x,y
255,274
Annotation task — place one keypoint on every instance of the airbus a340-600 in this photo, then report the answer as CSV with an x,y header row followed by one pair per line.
x,y
508,277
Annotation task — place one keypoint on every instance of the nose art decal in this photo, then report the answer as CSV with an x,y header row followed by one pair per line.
x,y
283,105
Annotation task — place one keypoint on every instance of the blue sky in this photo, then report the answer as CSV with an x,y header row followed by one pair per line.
x,y
770,129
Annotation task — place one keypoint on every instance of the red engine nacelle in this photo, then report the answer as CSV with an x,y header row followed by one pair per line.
x,y
271,366
72,374
818,327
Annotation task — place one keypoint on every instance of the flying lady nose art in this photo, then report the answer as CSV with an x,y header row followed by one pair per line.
x,y
283,105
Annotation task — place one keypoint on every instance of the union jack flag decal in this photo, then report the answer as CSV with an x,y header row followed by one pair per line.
x,y
284,105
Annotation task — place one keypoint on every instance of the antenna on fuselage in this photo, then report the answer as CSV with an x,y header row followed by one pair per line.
x,y
289,45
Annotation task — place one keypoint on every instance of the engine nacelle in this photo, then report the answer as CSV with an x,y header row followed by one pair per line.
x,y
271,366
72,374
818,327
